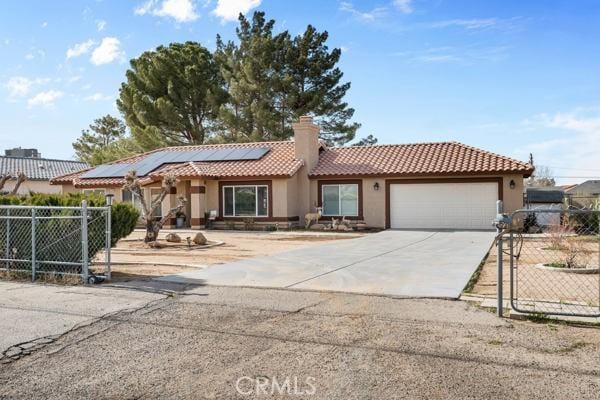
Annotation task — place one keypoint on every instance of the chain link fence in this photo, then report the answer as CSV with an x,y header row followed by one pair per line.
x,y
554,261
55,242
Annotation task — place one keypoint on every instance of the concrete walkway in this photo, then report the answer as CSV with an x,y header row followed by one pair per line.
x,y
397,263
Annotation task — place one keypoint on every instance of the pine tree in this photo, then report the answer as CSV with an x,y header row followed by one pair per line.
x,y
172,96
247,69
316,87
272,80
92,146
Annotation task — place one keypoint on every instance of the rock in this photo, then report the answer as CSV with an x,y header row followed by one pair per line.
x,y
173,238
200,239
317,227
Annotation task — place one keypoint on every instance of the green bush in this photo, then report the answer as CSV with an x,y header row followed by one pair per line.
x,y
59,239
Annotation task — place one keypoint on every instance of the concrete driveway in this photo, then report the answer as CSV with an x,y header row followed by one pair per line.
x,y
397,263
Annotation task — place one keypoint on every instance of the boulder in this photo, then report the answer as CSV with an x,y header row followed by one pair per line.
x,y
200,239
317,227
173,238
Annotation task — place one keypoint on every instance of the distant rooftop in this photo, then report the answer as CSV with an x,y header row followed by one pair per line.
x,y
20,152
39,169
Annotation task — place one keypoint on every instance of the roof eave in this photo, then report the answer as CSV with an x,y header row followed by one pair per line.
x,y
525,174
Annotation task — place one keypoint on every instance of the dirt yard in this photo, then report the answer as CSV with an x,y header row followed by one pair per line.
x,y
132,259
552,285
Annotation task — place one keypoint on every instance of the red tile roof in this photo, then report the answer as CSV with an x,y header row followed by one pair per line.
x,y
280,161
420,159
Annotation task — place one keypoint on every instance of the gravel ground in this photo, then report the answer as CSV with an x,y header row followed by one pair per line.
x,y
204,342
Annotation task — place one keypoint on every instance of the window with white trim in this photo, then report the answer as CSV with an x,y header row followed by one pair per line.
x,y
340,199
246,201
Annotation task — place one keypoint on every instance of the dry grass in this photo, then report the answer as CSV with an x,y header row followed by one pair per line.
x,y
543,284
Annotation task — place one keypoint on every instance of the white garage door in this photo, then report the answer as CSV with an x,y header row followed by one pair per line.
x,y
469,205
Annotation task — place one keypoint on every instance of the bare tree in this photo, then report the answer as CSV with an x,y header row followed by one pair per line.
x,y
153,226
541,177
21,177
3,179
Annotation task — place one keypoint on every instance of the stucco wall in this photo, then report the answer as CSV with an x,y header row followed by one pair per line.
x,y
374,201
33,186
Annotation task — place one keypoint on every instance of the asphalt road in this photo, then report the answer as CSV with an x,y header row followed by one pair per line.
x,y
219,342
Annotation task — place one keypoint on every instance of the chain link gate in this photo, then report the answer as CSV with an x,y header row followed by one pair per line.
x,y
554,261
56,242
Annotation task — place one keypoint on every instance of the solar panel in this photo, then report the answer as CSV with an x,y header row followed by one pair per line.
x,y
256,154
236,154
160,158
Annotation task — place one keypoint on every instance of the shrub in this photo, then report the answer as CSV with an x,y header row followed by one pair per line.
x,y
59,239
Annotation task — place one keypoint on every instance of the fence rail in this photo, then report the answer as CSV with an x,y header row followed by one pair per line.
x,y
554,261
55,241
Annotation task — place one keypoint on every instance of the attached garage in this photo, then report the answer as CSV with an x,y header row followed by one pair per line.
x,y
444,204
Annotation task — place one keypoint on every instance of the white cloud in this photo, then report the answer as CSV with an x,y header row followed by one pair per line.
x,y
100,25
229,10
469,55
568,143
44,24
108,51
29,56
20,86
97,97
179,10
480,23
44,99
405,6
365,16
80,49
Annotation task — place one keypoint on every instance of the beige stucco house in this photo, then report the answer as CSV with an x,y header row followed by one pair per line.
x,y
411,186
39,171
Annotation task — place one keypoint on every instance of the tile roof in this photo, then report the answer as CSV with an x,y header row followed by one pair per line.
x,y
39,169
279,161
419,159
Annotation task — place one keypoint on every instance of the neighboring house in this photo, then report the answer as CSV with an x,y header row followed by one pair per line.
x,y
39,171
425,185
548,197
583,194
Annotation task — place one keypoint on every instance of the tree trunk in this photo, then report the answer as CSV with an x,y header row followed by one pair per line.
x,y
152,229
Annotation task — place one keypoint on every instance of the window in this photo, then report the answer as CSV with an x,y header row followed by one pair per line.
x,y
245,201
340,200
97,192
157,211
129,197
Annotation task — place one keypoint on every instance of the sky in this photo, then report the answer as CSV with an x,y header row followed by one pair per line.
x,y
511,77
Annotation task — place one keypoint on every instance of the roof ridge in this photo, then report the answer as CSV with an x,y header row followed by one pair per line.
x,y
390,145
43,159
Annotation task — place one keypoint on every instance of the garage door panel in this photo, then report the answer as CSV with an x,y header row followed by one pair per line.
x,y
466,205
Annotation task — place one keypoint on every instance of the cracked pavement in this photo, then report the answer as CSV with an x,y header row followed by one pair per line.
x,y
199,342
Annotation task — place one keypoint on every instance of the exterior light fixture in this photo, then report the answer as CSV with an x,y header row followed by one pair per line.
x,y
376,186
512,184
109,199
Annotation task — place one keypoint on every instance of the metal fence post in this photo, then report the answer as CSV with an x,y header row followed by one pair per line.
x,y
33,250
108,235
84,242
7,255
500,275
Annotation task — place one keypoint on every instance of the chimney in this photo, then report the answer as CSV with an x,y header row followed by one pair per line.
x,y
306,141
